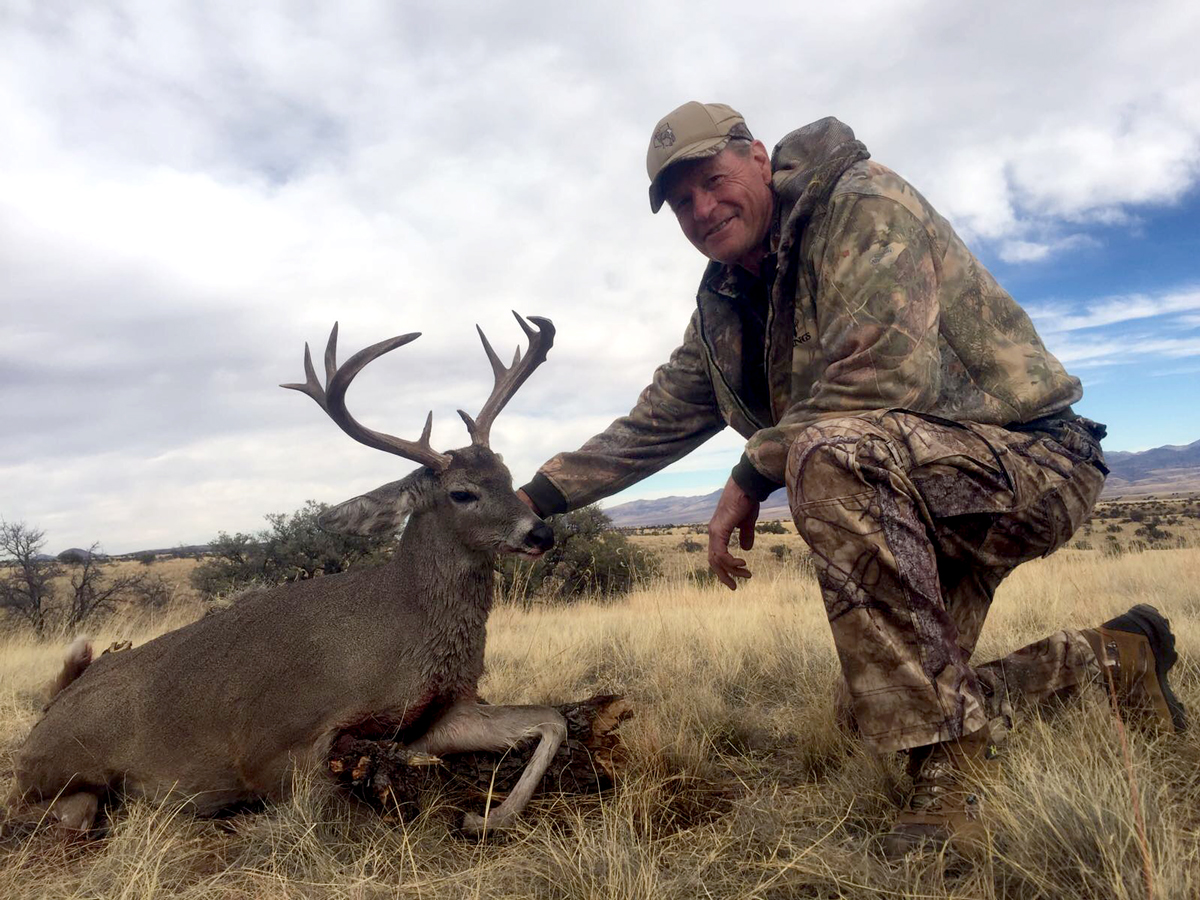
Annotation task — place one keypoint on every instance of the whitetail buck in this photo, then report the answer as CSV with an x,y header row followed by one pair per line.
x,y
224,710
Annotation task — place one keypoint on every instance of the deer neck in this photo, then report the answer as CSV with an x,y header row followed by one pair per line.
x,y
451,587
439,571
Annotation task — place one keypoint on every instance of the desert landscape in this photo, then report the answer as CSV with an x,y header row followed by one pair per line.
x,y
738,780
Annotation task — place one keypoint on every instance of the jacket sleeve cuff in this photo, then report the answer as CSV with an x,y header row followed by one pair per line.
x,y
545,496
756,485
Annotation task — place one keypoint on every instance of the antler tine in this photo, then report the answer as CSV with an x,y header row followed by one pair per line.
x,y
331,354
509,379
311,386
332,399
497,366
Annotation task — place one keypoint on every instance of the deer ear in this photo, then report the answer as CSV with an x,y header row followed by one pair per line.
x,y
380,512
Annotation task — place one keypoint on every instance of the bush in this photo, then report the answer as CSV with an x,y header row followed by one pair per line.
x,y
57,596
687,545
1152,533
588,558
770,528
781,551
292,549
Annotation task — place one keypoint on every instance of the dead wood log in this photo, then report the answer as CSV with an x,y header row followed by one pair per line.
x,y
393,780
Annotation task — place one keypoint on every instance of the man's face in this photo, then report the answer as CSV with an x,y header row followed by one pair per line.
x,y
723,203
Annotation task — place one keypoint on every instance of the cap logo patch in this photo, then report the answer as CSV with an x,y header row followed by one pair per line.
x,y
664,137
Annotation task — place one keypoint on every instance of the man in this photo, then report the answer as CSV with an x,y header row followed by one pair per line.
x,y
924,433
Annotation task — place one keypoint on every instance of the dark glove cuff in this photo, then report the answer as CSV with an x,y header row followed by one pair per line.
x,y
756,485
545,496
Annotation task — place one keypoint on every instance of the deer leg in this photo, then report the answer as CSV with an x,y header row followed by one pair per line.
x,y
469,726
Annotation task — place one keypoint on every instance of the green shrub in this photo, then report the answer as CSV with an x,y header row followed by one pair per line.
x,y
775,527
588,558
292,549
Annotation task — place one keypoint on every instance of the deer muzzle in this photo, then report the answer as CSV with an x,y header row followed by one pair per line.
x,y
538,540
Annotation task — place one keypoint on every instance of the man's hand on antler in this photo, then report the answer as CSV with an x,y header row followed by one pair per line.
x,y
734,510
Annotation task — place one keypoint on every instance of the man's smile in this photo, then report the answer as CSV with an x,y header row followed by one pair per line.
x,y
718,227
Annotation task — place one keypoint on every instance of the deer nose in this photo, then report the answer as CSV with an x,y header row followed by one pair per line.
x,y
540,537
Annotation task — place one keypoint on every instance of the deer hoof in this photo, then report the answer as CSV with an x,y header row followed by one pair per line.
x,y
76,813
473,824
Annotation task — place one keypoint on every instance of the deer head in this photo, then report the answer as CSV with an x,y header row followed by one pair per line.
x,y
470,487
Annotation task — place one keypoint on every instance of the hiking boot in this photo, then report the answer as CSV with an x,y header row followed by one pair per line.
x,y
1135,651
944,808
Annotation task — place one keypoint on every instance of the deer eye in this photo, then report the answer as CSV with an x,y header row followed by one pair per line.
x,y
463,496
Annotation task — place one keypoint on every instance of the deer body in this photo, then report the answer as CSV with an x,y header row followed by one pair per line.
x,y
225,709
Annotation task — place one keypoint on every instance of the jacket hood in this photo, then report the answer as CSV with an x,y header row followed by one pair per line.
x,y
800,154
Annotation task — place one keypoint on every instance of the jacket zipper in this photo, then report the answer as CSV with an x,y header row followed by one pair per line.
x,y
713,367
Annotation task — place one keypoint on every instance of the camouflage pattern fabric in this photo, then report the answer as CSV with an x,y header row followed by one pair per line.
x,y
1040,675
914,521
900,314
875,304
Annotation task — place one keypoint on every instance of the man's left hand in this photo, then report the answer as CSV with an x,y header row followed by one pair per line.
x,y
737,510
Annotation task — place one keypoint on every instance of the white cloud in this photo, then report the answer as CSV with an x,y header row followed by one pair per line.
x,y
188,192
1109,351
1018,251
1113,310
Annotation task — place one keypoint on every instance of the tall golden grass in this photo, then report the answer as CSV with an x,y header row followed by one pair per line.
x,y
740,782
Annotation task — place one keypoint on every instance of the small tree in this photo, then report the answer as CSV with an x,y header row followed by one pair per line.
x,y
93,591
31,585
26,588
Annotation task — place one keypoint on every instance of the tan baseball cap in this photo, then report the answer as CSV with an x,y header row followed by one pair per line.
x,y
693,131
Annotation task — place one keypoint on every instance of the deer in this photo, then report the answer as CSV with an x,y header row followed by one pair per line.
x,y
224,711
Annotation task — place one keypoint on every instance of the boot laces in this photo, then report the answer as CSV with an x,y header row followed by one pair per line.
x,y
937,779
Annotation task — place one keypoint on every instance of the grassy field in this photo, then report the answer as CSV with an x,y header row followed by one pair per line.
x,y
740,782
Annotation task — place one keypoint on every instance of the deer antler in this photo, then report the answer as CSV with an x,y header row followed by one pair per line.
x,y
332,399
511,378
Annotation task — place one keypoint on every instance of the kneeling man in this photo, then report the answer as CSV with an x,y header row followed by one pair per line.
x,y
923,431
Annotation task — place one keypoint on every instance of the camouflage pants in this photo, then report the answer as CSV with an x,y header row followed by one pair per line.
x,y
913,522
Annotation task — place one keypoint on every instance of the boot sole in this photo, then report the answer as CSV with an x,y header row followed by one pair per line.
x,y
1145,620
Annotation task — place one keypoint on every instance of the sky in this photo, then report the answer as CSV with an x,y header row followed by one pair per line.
x,y
191,191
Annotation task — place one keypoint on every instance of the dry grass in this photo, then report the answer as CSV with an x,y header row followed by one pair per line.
x,y
741,783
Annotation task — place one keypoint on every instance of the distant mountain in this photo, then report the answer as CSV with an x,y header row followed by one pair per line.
x,y
1132,466
1163,470
687,510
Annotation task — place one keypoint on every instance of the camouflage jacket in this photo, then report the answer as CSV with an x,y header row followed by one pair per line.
x,y
874,303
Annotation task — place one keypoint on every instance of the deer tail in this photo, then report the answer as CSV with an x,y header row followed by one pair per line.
x,y
78,658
